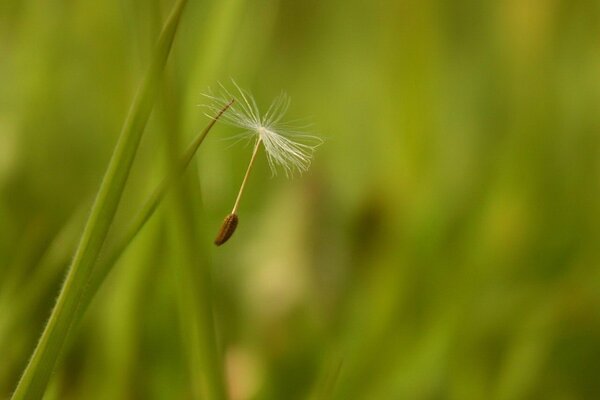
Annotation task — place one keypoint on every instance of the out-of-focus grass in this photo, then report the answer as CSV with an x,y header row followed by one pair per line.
x,y
443,245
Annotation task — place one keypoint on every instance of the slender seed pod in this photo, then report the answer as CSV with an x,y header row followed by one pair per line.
x,y
227,229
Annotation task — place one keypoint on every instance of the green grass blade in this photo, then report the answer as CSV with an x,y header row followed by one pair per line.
x,y
35,378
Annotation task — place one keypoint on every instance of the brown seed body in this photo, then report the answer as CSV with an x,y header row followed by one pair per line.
x,y
227,229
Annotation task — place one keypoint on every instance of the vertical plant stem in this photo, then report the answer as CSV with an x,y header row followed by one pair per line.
x,y
35,378
194,283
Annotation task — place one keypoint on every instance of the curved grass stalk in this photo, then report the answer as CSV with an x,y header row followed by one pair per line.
x,y
106,263
36,376
57,251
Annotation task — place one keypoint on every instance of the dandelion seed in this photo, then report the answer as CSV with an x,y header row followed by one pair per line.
x,y
286,146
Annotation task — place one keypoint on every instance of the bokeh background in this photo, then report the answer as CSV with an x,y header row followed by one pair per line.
x,y
444,244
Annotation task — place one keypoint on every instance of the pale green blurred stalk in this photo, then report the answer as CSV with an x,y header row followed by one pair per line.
x,y
193,276
37,373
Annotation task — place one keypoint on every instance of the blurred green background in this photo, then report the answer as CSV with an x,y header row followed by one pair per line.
x,y
444,244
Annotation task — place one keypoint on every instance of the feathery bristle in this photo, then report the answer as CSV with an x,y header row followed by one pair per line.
x,y
287,147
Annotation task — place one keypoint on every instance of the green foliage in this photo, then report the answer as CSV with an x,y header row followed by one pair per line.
x,y
442,245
